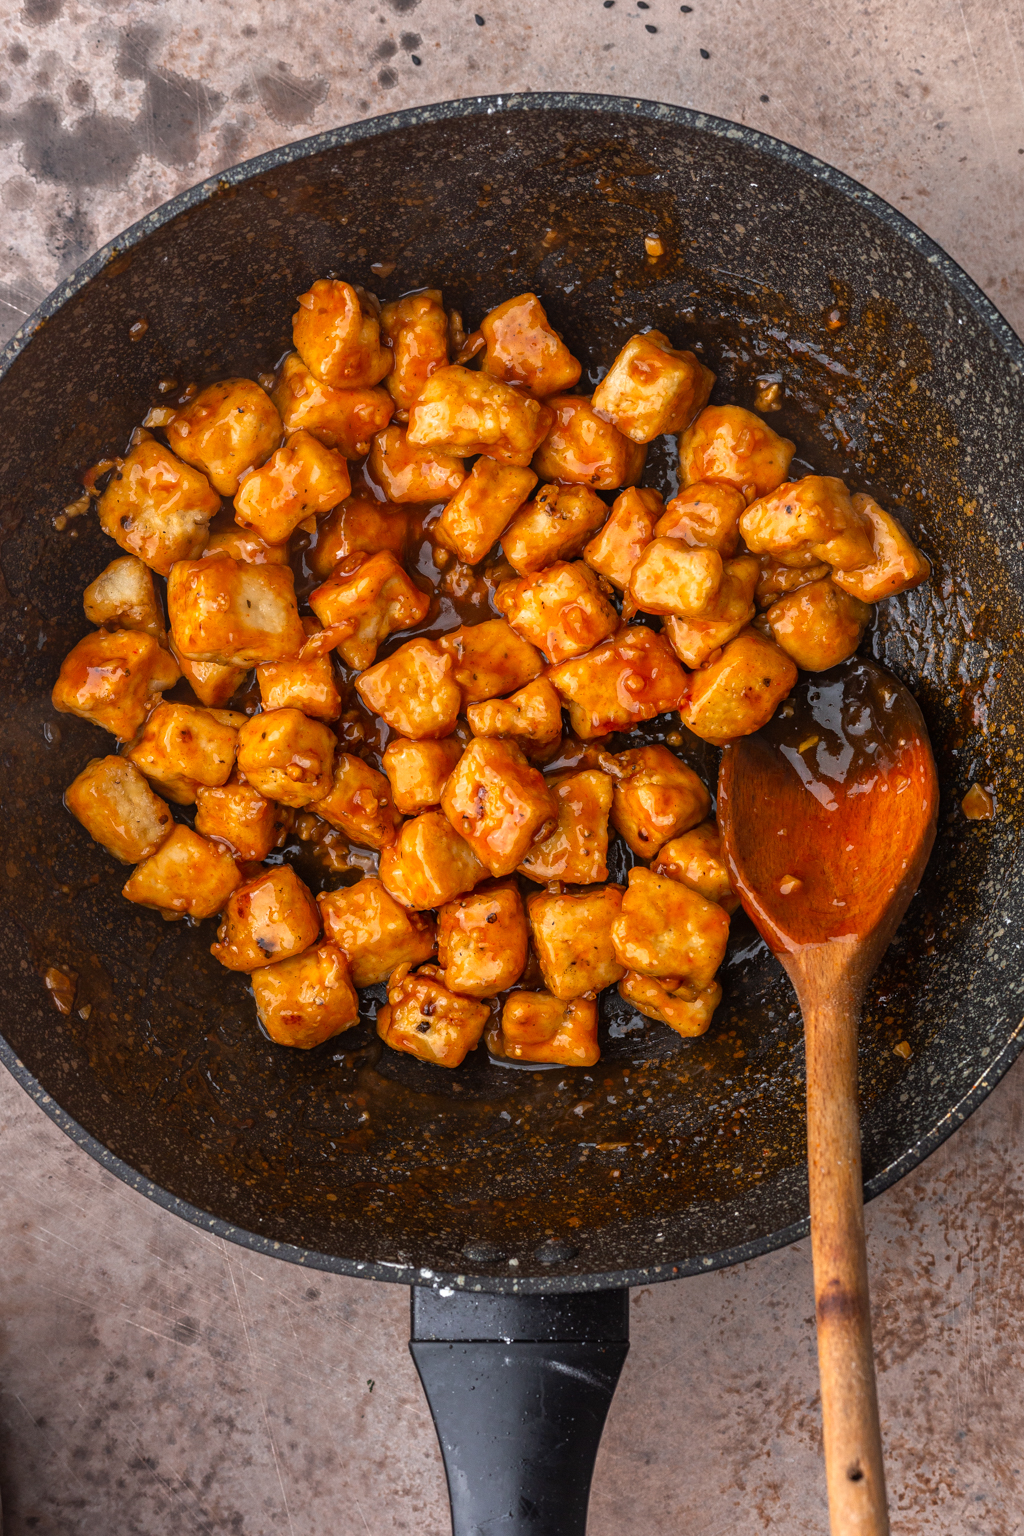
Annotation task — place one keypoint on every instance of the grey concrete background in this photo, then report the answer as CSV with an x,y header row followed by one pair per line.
x,y
154,1380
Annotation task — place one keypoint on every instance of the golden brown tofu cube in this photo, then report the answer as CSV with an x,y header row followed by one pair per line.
x,y
413,690
580,448
270,918
498,803
366,599
532,718
359,803
695,640
114,678
287,757
181,747
577,850
807,522
406,472
156,507
696,859
429,863
572,935
306,1000
118,809
819,625
212,683
226,429
489,659
188,876
538,1027
631,677
687,1010
424,1019
897,565
416,329
307,684
740,691
521,348
417,771
482,941
237,814
237,614
672,578
302,479
123,597
359,526
705,515
464,412
666,929
346,419
482,508
336,332
616,549
656,797
774,579
652,387
561,610
731,444
555,525
373,931
245,545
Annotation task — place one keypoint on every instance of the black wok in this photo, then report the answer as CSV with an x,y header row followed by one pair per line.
x,y
897,373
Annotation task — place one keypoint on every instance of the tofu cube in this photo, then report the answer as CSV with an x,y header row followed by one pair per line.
x,y
482,508
359,526
489,659
270,918
429,863
236,614
302,479
308,684
728,443
631,677
696,860
181,747
243,544
696,640
366,599
424,1019
705,515
346,419
521,348
774,579
687,1010
360,803
672,578
407,472
465,412
665,929
123,597
413,691
118,809
224,430
417,771
237,814
897,565
819,625
538,1027
652,387
580,448
374,932
114,678
561,610
498,803
287,757
156,507
740,691
212,683
572,937
416,330
808,522
614,551
336,332
306,1000
577,850
188,876
555,525
532,718
482,941
655,798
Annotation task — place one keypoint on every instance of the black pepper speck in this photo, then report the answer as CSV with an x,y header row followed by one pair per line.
x,y
704,54
649,28
479,21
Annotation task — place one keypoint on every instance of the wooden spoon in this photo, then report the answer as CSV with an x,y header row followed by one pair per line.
x,y
827,818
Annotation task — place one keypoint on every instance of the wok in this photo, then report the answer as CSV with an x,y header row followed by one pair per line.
x,y
522,1193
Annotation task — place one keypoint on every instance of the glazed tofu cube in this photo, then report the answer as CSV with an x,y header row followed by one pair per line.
x,y
366,599
239,615
302,479
417,771
498,803
672,578
188,876
482,941
413,691
359,526
336,332
245,545
114,678
482,508
269,918
521,348
424,1019
308,684
652,387
696,859
464,412
538,1027
695,640
346,419
577,850
532,718
156,507
489,659
373,931
808,522
740,691
429,863
118,809
731,444
572,935
287,757
406,472
616,549
237,814
897,565
631,677
123,597
306,1000
226,429
561,610
416,329
212,683
819,625
580,448
181,747
656,797
687,1010
665,929
705,515
555,525
360,803
774,579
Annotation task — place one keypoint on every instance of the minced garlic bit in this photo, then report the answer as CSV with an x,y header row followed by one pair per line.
x,y
903,1049
978,804
806,745
653,245
159,416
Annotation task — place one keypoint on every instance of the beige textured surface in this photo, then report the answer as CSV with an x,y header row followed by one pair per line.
x,y
156,1381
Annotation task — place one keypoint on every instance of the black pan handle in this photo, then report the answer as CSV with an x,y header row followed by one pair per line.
x,y
519,1388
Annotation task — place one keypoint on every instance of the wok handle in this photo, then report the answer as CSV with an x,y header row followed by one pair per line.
x,y
519,1388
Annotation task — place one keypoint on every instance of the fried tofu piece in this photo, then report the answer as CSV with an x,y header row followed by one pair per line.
x,y
808,522
181,747
360,803
429,863
652,387
287,757
616,549
555,525
897,565
365,599
685,1009
346,419
498,803
695,640
244,544
631,677
489,659
532,718
359,526
416,329
306,1000
407,472
696,859
482,941
521,348
774,579
417,771
188,876
464,412
819,625
302,479
731,444
336,332
561,610
581,448
117,808
307,684
666,929
123,597
156,507
270,918
237,814
655,797
577,850
705,515
212,683
114,678
239,615
572,936
424,1019
373,932
538,1027
226,429
413,690
740,691
482,508
671,578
